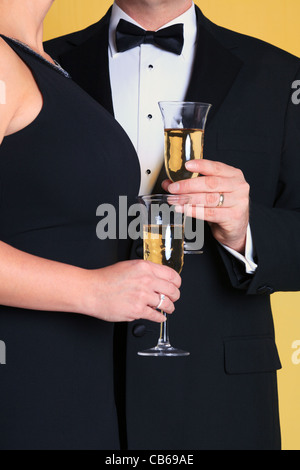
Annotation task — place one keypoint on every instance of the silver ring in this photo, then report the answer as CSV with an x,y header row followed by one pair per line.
x,y
221,201
162,298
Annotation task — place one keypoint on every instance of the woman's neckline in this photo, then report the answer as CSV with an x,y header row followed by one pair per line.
x,y
55,66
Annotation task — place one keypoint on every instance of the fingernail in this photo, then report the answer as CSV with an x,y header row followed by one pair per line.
x,y
190,165
174,187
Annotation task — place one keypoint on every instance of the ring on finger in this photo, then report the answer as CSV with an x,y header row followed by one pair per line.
x,y
162,298
221,200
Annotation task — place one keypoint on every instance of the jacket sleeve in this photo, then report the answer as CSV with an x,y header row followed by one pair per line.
x,y
276,230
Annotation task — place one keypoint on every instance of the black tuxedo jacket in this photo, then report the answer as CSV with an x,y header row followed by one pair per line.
x,y
224,396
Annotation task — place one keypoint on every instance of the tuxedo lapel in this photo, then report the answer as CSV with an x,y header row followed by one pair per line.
x,y
214,72
88,64
215,68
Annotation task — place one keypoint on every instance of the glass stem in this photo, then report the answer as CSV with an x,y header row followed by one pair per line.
x,y
164,333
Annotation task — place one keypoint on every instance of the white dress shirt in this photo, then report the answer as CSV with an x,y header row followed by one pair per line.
x,y
140,78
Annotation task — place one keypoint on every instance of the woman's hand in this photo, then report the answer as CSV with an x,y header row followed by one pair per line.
x,y
132,290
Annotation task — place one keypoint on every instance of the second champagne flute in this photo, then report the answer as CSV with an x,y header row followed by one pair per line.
x,y
163,237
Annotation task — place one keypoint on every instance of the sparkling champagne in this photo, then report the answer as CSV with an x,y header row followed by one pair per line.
x,y
164,244
181,146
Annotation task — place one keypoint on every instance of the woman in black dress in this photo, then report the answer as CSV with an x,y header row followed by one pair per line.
x,y
61,288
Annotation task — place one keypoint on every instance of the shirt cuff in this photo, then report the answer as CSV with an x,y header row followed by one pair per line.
x,y
248,259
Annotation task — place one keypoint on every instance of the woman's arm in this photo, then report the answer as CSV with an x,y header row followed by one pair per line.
x,y
123,292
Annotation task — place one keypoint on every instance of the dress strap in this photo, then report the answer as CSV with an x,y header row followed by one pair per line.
x,y
20,45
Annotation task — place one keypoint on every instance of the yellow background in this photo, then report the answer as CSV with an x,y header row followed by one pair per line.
x,y
274,21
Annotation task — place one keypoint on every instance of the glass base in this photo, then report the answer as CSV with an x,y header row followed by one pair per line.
x,y
164,351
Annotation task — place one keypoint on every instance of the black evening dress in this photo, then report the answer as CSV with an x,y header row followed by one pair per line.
x,y
57,387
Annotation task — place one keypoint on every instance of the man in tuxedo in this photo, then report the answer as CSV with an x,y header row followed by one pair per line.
x,y
224,395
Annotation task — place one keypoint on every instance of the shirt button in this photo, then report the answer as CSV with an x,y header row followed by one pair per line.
x,y
139,330
150,66
148,172
150,116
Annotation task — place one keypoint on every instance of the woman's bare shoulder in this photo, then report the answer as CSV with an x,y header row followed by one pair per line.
x,y
11,85
10,63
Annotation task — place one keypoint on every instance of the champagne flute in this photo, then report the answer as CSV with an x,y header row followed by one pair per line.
x,y
163,237
184,124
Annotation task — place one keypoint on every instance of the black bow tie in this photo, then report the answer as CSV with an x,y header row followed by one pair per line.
x,y
129,36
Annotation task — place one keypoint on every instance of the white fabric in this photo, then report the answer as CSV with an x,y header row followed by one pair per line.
x,y
140,78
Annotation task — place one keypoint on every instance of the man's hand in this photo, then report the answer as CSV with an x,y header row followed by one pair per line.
x,y
228,222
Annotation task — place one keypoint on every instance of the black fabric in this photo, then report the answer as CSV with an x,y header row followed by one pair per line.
x,y
129,36
224,396
57,389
